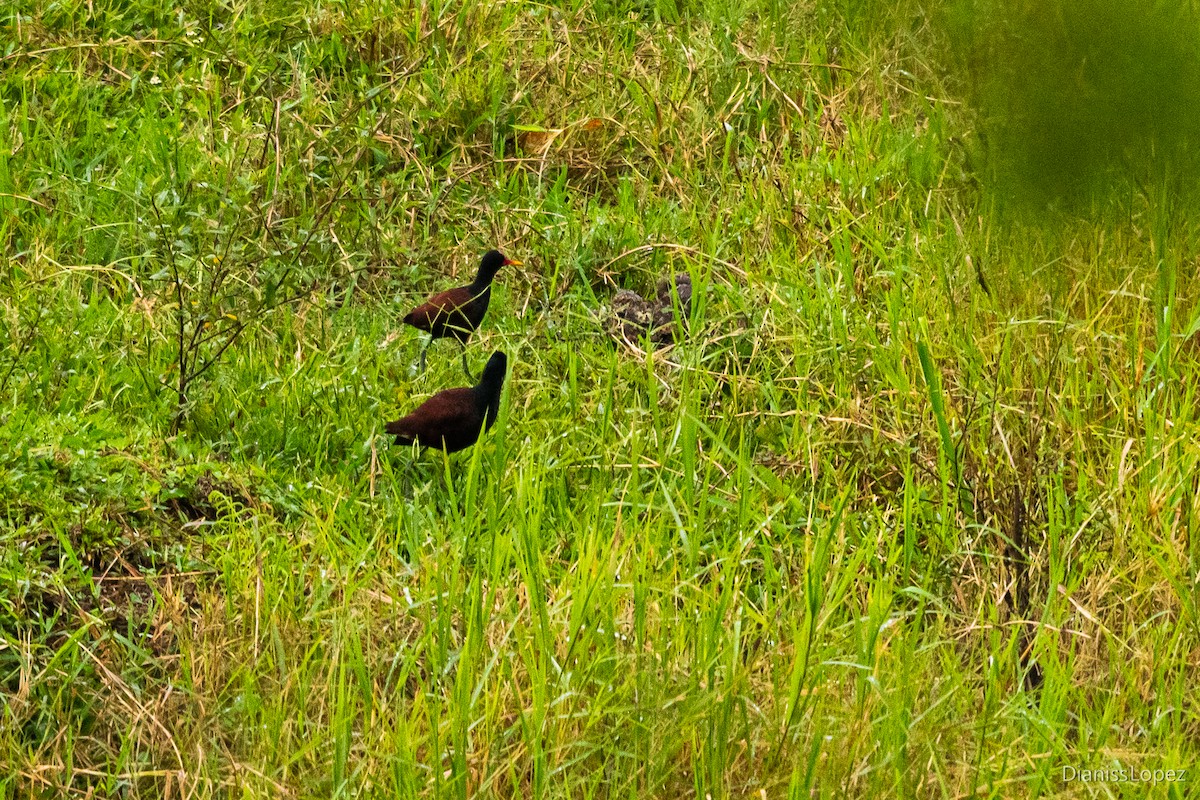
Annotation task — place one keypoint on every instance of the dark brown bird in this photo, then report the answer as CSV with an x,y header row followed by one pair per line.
x,y
452,419
456,313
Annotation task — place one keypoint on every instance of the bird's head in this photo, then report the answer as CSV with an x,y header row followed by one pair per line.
x,y
493,261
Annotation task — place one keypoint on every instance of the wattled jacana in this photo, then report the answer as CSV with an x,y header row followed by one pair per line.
x,y
456,313
452,419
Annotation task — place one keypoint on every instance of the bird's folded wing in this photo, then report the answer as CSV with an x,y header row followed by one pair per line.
x,y
437,414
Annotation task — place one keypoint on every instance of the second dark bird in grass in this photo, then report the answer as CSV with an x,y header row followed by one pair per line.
x,y
453,419
456,313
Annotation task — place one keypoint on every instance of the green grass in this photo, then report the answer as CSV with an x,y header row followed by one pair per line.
x,y
907,513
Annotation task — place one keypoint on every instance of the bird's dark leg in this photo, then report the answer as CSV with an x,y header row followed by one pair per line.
x,y
421,360
402,472
406,473
466,369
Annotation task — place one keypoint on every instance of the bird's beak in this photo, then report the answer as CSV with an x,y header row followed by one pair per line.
x,y
512,262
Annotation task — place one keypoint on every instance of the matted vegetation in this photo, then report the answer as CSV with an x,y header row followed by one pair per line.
x,y
905,511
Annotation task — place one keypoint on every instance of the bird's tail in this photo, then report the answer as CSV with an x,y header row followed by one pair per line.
x,y
398,429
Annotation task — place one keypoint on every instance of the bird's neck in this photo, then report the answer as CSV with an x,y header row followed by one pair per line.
x,y
482,282
488,389
489,400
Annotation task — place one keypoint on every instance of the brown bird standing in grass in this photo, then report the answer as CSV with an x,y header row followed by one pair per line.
x,y
456,313
453,419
